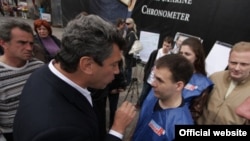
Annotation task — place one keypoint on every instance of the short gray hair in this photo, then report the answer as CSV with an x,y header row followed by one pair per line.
x,y
7,25
87,36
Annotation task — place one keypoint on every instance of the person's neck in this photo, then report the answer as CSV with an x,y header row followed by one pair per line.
x,y
238,81
72,76
165,52
119,28
172,102
13,62
45,37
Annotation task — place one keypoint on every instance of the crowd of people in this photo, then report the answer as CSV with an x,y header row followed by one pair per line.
x,y
57,89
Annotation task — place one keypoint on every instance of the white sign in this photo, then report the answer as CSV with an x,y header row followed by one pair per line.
x,y
46,16
217,59
149,41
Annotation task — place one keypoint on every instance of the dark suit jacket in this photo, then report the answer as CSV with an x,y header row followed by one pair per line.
x,y
149,64
52,110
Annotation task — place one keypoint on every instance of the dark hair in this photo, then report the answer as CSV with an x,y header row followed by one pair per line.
x,y
87,36
196,46
169,39
7,25
178,65
39,22
119,21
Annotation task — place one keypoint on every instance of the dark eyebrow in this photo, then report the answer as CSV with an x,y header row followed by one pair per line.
x,y
158,79
24,42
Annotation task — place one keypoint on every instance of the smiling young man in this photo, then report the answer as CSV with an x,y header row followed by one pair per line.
x,y
16,65
56,104
231,88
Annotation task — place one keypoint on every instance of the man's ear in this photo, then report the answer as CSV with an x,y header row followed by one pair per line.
x,y
180,85
86,64
1,42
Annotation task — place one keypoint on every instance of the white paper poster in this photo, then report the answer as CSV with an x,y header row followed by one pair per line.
x,y
217,59
149,41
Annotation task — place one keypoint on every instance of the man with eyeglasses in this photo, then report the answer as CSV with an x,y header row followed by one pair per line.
x,y
130,38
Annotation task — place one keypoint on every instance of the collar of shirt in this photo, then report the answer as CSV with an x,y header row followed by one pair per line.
x,y
83,91
232,85
160,53
14,68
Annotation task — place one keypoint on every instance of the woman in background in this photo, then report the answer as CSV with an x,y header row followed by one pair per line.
x,y
46,44
196,91
121,26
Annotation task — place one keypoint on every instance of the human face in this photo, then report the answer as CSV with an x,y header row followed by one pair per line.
x,y
188,53
129,25
166,47
20,47
103,75
122,26
163,85
180,40
42,31
239,65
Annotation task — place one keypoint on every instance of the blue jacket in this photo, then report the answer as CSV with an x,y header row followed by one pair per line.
x,y
196,85
159,125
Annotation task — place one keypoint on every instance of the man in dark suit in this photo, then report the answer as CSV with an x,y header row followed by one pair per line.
x,y
55,103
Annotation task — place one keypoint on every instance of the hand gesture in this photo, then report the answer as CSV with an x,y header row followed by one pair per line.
x,y
123,117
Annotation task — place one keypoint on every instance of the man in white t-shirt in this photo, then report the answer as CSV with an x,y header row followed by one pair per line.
x,y
166,48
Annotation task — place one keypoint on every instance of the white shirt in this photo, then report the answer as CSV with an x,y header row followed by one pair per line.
x,y
232,85
83,91
151,75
